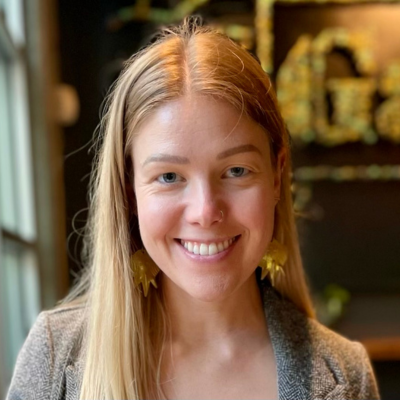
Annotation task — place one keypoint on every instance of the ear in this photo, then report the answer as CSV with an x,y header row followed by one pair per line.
x,y
280,165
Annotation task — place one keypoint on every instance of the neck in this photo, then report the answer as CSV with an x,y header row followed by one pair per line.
x,y
228,322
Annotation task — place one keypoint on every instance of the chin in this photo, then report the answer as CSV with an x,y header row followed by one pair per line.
x,y
210,289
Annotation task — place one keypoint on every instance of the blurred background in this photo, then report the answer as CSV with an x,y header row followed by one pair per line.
x,y
336,68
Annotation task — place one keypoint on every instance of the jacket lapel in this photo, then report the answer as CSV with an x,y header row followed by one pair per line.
x,y
303,373
71,383
75,368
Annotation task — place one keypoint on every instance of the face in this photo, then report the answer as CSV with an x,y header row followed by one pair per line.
x,y
205,191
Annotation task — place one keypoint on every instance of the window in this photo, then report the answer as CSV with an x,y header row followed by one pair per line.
x,y
19,275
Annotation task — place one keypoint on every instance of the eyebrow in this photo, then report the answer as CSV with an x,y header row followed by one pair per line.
x,y
238,149
168,158
160,157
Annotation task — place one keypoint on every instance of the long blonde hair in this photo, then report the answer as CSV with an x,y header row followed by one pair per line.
x,y
125,332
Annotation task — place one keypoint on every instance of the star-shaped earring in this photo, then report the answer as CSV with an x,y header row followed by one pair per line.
x,y
144,270
273,261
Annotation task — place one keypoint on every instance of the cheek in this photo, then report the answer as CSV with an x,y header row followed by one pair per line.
x,y
260,215
157,217
256,208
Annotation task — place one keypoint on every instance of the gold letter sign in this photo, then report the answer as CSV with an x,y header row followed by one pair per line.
x,y
303,90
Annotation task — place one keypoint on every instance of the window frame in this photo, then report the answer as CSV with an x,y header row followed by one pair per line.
x,y
29,42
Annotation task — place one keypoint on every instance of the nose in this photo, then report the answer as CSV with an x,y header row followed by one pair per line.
x,y
204,207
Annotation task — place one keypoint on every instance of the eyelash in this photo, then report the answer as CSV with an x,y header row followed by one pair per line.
x,y
162,177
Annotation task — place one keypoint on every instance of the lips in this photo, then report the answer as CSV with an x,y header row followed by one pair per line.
x,y
207,249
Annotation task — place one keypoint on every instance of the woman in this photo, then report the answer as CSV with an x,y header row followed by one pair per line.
x,y
191,195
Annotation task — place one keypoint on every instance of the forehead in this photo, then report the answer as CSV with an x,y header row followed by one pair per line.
x,y
193,123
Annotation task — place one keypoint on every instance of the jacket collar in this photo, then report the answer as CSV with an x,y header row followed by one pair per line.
x,y
302,368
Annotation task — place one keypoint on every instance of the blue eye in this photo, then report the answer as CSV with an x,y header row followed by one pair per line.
x,y
238,172
169,177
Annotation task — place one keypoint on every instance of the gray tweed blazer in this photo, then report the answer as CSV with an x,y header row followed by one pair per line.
x,y
312,361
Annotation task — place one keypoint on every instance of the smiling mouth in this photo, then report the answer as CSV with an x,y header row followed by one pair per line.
x,y
207,249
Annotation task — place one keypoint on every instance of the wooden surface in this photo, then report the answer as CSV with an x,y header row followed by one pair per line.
x,y
383,349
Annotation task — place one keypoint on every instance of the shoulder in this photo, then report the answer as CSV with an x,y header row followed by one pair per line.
x,y
327,362
296,327
346,360
342,354
64,325
53,343
326,341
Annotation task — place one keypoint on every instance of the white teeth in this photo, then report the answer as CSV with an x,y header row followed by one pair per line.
x,y
212,249
207,249
204,249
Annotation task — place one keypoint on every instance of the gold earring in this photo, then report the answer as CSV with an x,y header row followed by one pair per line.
x,y
273,261
144,270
